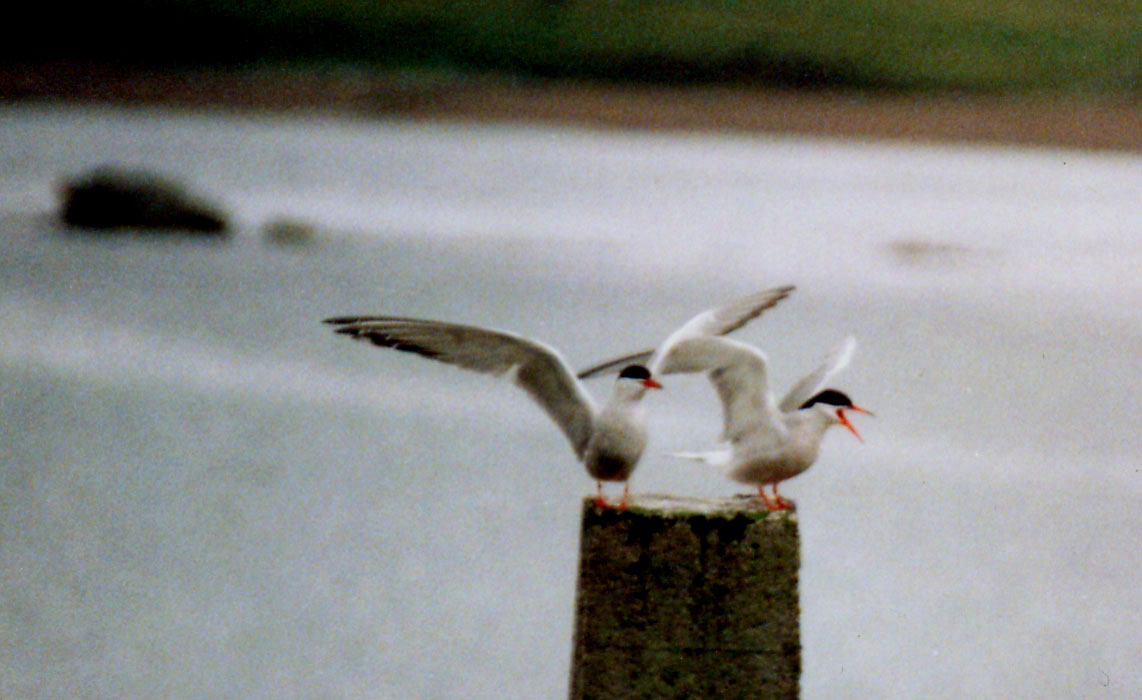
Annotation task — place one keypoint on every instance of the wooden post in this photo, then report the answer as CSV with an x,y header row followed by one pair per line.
x,y
687,598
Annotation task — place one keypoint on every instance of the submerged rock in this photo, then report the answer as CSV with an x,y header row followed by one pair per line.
x,y
113,198
289,232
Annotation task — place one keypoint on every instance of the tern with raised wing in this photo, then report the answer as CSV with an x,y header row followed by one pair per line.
x,y
610,439
767,441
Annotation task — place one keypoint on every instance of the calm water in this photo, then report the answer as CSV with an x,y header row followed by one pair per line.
x,y
205,494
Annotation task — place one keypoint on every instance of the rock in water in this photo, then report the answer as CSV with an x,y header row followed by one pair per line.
x,y
113,198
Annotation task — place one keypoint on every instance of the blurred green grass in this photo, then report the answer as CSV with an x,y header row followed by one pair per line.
x,y
997,46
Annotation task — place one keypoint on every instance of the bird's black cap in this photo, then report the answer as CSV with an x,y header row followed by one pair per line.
x,y
634,372
831,397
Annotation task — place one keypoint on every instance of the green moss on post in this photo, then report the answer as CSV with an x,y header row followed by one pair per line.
x,y
687,598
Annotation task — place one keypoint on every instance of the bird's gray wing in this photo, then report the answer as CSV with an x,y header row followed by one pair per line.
x,y
837,359
729,317
720,320
533,366
739,374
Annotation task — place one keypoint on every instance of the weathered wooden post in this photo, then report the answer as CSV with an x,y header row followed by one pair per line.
x,y
687,598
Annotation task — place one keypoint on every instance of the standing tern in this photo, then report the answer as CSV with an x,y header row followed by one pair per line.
x,y
768,442
609,440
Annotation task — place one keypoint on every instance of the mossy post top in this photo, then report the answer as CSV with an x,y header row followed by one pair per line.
x,y
685,598
673,507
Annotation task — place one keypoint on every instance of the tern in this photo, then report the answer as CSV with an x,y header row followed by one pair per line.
x,y
608,439
767,441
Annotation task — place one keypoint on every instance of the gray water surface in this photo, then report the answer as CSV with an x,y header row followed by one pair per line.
x,y
204,493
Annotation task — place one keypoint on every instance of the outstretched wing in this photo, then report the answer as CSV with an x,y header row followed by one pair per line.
x,y
732,316
837,359
739,374
720,320
533,366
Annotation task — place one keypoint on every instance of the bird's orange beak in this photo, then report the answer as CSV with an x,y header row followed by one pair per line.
x,y
649,383
845,421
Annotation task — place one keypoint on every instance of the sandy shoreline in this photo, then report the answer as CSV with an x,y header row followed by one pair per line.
x,y
1040,121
